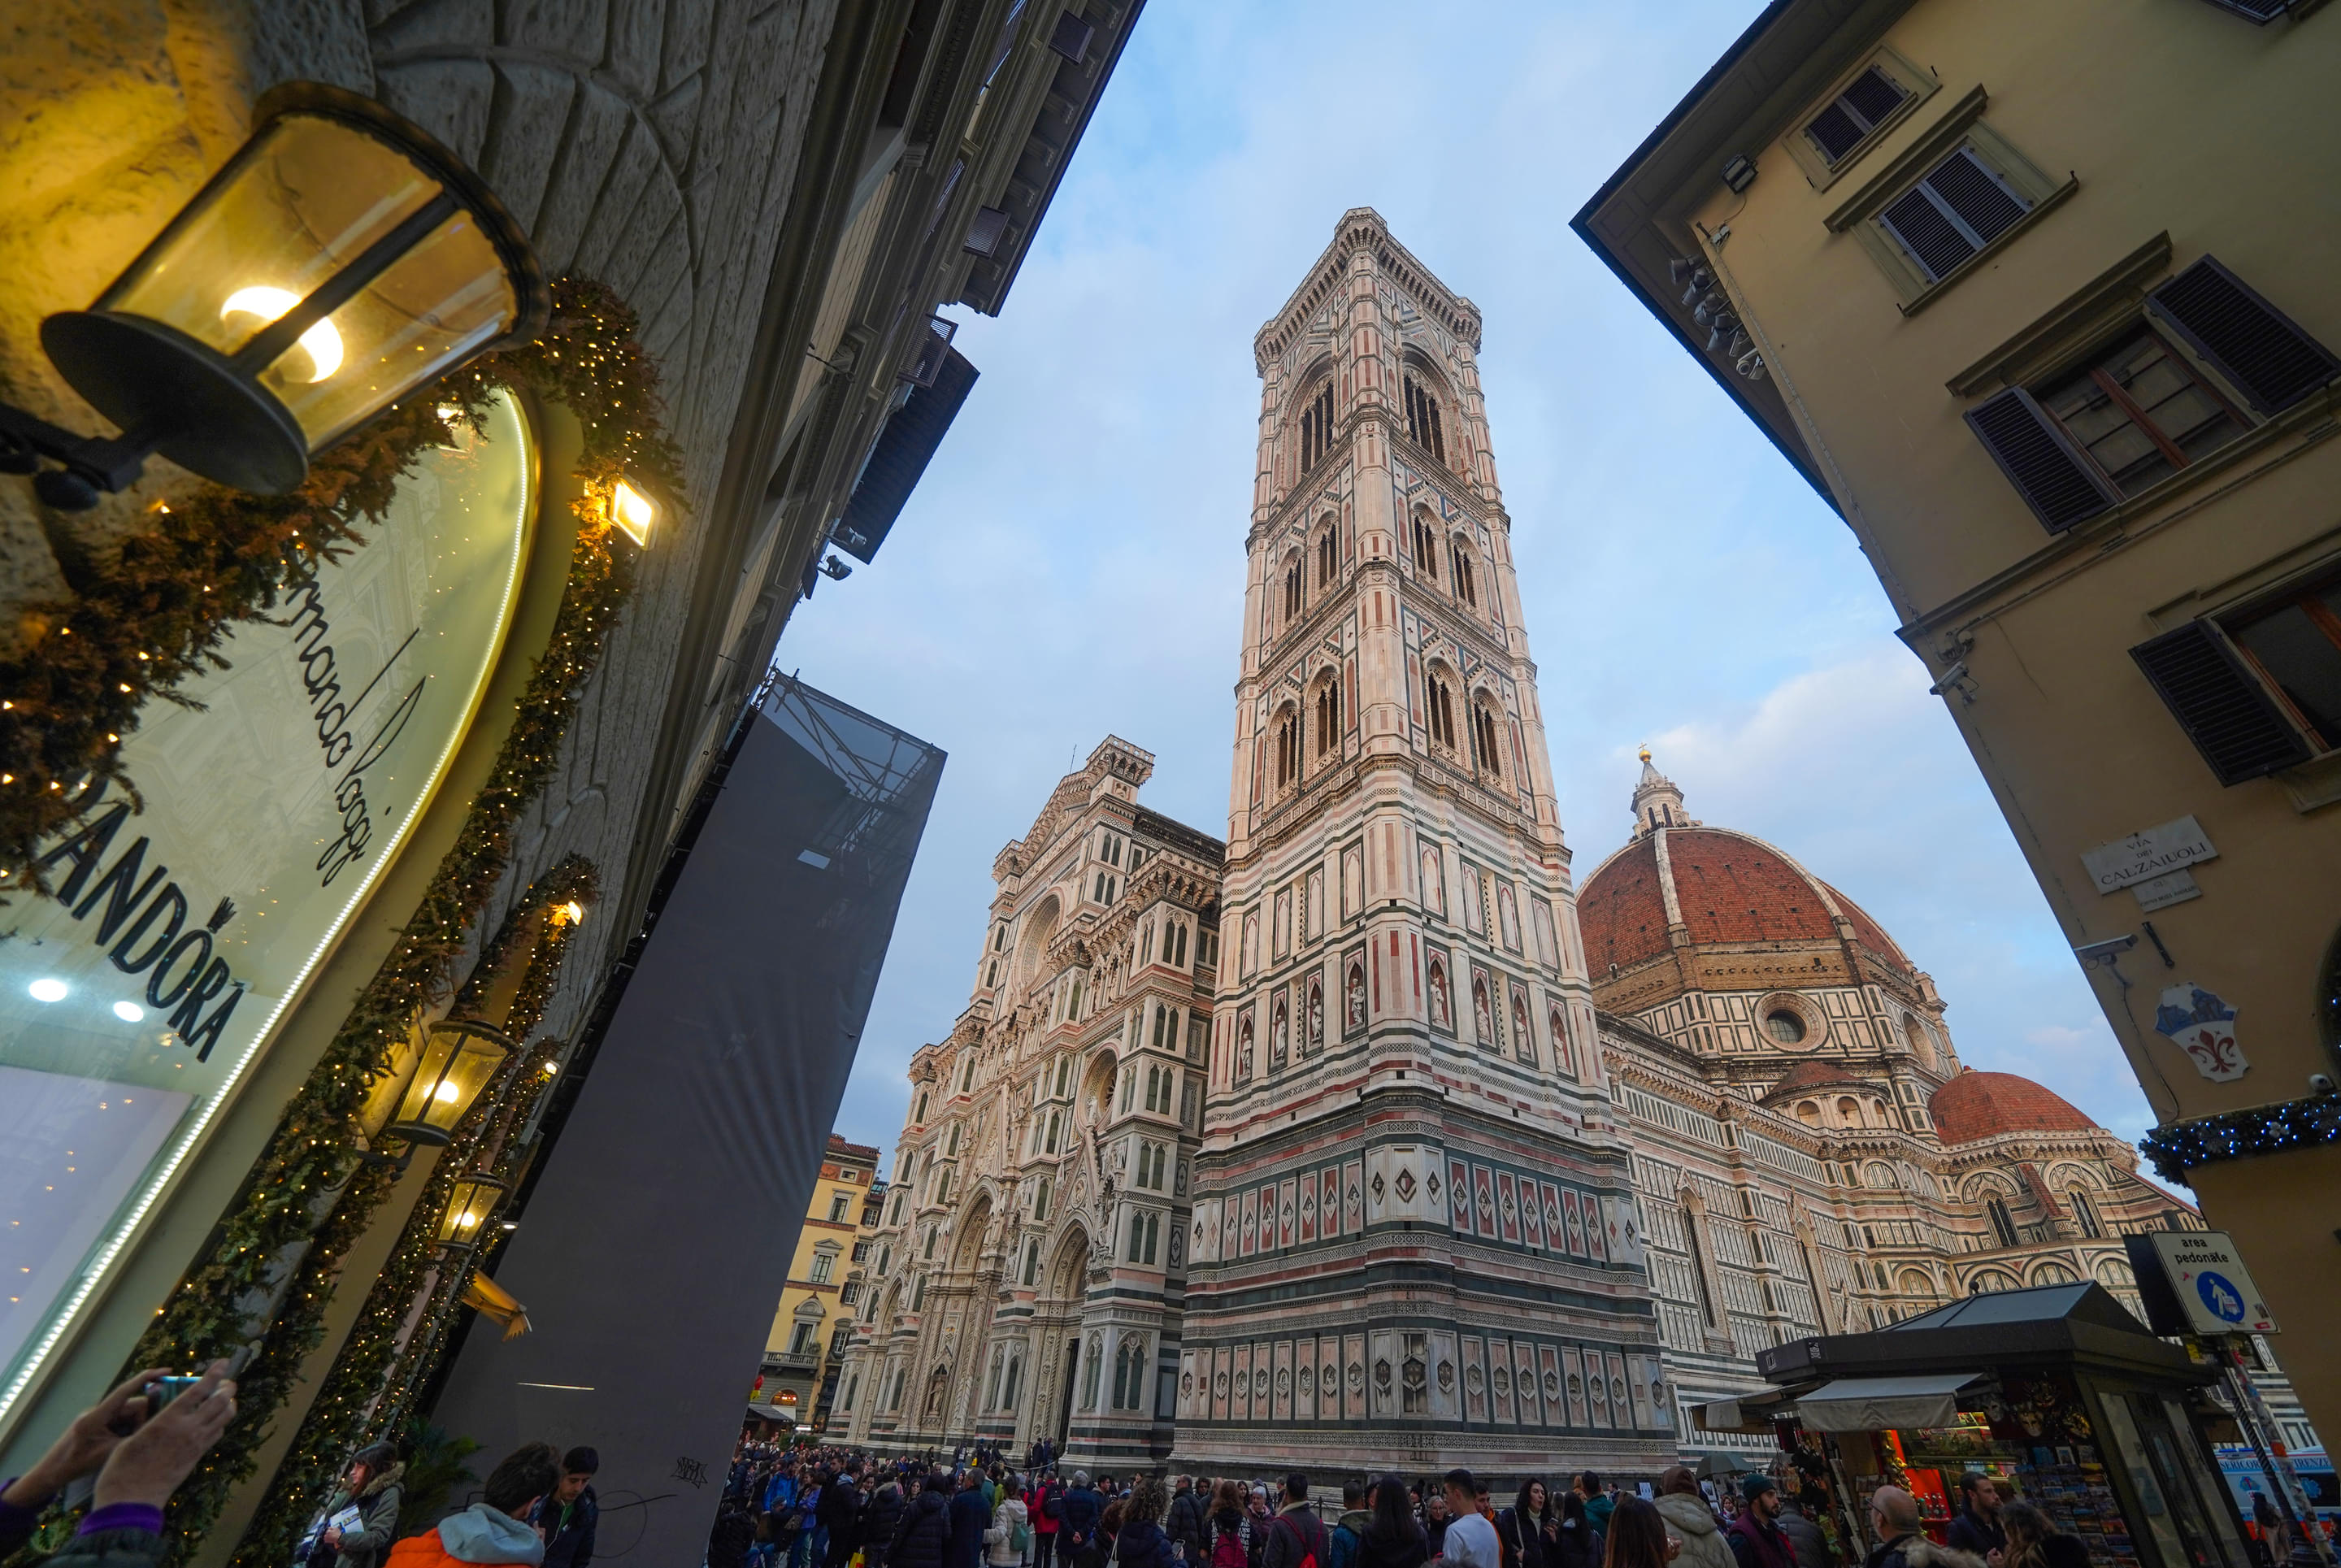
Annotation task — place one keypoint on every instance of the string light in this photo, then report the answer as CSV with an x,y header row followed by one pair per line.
x,y
2180,1146
159,613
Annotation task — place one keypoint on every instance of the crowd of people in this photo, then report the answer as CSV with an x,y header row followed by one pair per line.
x,y
830,1508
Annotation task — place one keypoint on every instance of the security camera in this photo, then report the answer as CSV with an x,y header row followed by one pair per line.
x,y
2320,1083
2105,952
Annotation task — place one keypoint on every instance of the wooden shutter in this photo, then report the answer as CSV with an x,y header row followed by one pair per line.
x,y
1855,112
2056,480
2224,707
2258,348
1959,208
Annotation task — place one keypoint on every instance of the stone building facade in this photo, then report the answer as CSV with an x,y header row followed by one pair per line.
x,y
1033,1248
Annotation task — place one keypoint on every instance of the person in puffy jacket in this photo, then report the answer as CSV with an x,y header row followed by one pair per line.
x,y
1691,1520
925,1526
1004,1542
878,1521
494,1530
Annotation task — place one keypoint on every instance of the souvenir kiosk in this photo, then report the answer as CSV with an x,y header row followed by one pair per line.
x,y
2057,1393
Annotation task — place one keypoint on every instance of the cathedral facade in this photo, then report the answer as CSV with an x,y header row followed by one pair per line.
x,y
1369,1138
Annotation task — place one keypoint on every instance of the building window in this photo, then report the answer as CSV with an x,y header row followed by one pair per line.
x,y
2085,1213
1041,1195
1292,590
1056,1126
1422,422
1316,426
1784,1026
1440,710
823,1265
1328,715
1288,747
2003,1228
1328,557
2140,413
1698,1267
918,1293
1094,1354
1031,1262
1953,213
1868,101
861,1252
801,1339
1467,586
1426,547
1486,754
1144,1230
919,1111
838,1206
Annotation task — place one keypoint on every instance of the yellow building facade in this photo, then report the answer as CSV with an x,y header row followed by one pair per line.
x,y
2031,295
825,1279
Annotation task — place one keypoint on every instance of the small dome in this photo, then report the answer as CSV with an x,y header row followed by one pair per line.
x,y
1977,1105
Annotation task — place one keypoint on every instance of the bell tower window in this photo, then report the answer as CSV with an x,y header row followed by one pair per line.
x,y
1316,426
1287,748
1486,755
1422,424
1426,548
1467,587
1292,590
1329,558
1441,707
1329,716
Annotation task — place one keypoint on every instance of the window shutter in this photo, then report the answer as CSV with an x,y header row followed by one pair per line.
x,y
1855,112
2260,11
2270,360
1961,206
2225,709
2056,481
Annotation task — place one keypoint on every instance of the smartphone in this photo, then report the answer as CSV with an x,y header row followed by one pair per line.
x,y
164,1389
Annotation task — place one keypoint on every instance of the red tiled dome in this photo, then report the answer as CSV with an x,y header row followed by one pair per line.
x,y
1977,1105
1730,888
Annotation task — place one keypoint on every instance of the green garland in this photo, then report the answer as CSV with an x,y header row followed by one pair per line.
x,y
158,615
370,1390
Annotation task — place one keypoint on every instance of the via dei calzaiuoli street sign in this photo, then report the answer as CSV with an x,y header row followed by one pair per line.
x,y
186,921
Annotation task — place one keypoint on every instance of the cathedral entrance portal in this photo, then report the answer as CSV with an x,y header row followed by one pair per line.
x,y
1063,1427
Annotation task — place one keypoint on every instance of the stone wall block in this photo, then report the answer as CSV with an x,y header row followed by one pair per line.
x,y
449,98
656,223
434,28
637,165
674,114
664,296
309,40
597,126
526,133
636,29
688,34
574,30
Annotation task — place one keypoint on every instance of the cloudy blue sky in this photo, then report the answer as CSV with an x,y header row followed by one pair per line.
x,y
1072,564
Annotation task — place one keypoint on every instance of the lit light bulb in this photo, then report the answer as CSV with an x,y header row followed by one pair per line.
x,y
49,989
466,1220
129,1011
446,1092
574,913
324,344
632,510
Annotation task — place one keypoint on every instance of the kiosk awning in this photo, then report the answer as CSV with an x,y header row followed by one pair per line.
x,y
1748,1413
1877,1403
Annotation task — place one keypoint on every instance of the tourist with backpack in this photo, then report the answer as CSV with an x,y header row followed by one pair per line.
x,y
1227,1539
1044,1506
1295,1536
1011,1535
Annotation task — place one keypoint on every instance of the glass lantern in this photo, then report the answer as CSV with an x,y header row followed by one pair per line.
x,y
342,259
459,1059
471,1206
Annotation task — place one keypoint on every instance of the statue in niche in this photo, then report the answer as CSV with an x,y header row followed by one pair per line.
x,y
1353,997
1316,1039
1442,1005
1480,1015
1280,1035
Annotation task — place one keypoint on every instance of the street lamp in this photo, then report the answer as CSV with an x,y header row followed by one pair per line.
x,y
471,1203
341,259
460,1058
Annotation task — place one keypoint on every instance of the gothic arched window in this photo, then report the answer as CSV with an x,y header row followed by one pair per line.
x,y
1440,704
1422,420
1426,546
2003,1227
1329,716
1288,747
1328,557
2085,1213
1467,586
1317,424
1486,755
1292,589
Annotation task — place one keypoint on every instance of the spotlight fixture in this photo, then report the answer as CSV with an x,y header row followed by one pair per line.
x,y
836,570
1706,311
1727,329
1739,172
1697,283
340,259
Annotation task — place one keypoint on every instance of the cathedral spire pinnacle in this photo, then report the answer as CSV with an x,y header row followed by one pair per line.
x,y
1657,802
